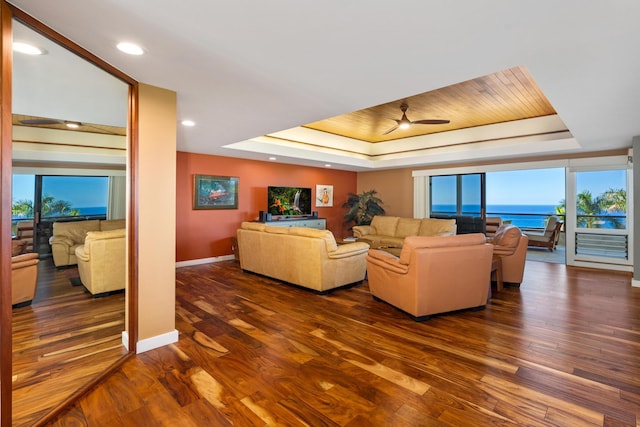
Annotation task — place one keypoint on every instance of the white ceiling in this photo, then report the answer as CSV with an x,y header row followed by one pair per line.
x,y
245,69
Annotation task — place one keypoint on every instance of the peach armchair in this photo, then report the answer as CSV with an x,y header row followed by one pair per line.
x,y
24,276
433,274
510,244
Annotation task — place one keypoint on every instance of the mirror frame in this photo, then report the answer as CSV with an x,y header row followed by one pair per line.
x,y
9,12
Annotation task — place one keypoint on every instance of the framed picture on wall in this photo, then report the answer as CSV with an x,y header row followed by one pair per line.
x,y
324,195
215,192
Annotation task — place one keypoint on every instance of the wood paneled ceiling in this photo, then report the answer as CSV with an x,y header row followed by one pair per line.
x,y
500,97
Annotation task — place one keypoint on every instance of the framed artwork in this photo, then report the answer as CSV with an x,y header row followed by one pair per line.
x,y
215,192
324,195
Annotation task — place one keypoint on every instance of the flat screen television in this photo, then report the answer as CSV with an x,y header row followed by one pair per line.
x,y
288,201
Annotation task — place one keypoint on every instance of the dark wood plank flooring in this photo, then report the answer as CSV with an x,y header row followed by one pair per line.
x,y
61,342
562,350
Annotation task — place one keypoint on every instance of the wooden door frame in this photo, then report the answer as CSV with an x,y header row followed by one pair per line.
x,y
7,13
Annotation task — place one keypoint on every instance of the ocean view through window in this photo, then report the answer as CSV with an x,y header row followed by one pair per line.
x,y
526,198
523,216
60,196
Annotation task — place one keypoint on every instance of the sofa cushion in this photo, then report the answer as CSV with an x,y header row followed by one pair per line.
x,y
276,230
102,235
407,227
385,225
437,227
506,239
75,230
325,235
412,243
370,238
391,242
257,226
18,247
112,224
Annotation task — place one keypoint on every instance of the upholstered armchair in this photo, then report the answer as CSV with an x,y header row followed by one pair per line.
x,y
510,244
24,277
102,261
67,236
433,274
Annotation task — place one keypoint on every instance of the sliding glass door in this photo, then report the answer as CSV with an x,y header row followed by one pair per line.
x,y
40,200
462,196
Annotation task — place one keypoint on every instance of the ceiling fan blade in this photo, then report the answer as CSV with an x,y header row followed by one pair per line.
x,y
430,122
391,130
40,122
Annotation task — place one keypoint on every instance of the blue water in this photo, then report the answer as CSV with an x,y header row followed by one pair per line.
x,y
84,211
537,214
531,216
93,210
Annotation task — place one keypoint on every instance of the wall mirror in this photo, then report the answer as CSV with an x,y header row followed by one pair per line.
x,y
67,337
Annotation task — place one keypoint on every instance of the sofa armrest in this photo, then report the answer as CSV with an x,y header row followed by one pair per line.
x,y
503,250
349,250
386,261
24,260
81,254
361,230
61,240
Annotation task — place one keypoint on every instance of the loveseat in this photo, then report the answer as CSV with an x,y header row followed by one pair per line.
x,y
433,275
390,231
102,261
306,257
67,236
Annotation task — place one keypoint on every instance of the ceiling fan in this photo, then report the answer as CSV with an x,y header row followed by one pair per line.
x,y
404,122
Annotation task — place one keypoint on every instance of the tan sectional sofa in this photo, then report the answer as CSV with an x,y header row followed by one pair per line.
x,y
306,257
67,236
390,231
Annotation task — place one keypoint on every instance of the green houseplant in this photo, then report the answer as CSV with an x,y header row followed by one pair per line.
x,y
362,207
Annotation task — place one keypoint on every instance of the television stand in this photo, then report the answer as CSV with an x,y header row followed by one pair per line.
x,y
300,221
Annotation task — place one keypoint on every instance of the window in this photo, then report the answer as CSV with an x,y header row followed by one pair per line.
x,y
601,199
74,196
457,195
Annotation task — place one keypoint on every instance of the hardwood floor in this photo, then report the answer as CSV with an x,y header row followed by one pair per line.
x,y
60,342
562,350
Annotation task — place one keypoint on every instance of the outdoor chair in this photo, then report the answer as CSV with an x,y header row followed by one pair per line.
x,y
549,237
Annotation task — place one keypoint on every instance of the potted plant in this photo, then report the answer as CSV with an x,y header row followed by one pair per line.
x,y
362,207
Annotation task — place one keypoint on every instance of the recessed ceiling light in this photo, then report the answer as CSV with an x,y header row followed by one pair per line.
x,y
130,48
327,165
188,123
27,49
272,158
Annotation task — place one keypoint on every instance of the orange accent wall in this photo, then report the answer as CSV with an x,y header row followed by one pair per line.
x,y
207,233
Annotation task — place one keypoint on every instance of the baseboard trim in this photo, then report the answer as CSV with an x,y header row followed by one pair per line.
x,y
155,342
205,260
125,339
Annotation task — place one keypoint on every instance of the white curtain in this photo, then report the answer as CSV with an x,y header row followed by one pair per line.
x,y
117,206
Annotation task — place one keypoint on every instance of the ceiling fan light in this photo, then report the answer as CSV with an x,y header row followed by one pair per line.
x,y
27,49
404,125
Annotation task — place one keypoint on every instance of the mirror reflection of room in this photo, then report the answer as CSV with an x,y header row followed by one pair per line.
x,y
68,224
